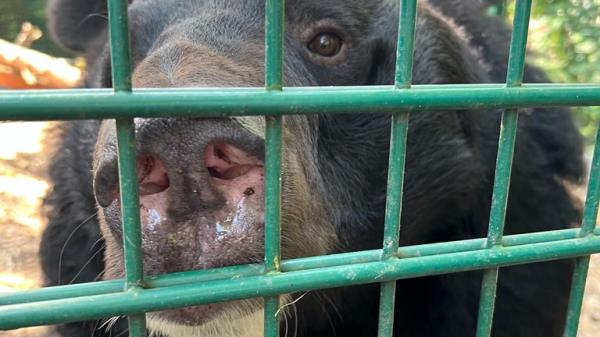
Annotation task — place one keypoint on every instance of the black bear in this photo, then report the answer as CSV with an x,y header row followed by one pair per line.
x,y
201,180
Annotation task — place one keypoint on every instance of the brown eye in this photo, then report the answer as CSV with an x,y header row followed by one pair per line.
x,y
325,44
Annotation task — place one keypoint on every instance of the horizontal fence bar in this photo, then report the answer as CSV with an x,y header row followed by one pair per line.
x,y
186,103
181,278
94,307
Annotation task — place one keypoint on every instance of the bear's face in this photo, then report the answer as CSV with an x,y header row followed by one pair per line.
x,y
202,198
202,181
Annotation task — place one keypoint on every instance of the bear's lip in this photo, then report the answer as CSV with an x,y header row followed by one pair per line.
x,y
198,315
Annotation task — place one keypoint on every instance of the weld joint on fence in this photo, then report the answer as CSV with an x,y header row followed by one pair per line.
x,y
495,246
582,234
135,290
496,243
392,258
275,265
121,92
402,86
274,88
383,255
138,284
273,272
502,243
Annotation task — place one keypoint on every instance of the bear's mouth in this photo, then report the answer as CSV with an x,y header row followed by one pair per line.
x,y
196,315
235,318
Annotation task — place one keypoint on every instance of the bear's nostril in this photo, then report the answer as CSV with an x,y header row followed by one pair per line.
x,y
152,175
227,162
230,173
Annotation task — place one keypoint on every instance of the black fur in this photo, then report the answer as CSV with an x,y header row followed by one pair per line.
x,y
450,164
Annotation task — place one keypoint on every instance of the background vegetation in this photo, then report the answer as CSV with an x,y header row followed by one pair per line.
x,y
564,40
14,12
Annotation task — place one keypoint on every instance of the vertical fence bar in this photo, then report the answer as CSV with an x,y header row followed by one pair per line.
x,y
504,160
119,45
397,157
121,76
406,41
588,224
274,28
274,38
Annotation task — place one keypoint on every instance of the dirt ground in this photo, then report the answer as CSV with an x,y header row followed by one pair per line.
x,y
23,185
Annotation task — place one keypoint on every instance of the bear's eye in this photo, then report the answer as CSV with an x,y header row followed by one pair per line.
x,y
325,44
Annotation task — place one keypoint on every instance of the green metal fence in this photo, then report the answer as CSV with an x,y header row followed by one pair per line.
x,y
137,294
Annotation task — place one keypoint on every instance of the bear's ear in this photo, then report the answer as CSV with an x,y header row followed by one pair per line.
x,y
78,25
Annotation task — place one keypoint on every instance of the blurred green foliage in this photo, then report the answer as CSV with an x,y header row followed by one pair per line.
x,y
564,40
13,13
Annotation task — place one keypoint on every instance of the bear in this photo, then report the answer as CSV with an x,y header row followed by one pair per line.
x,y
201,180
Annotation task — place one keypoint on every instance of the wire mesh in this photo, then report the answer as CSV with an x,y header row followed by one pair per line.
x,y
137,294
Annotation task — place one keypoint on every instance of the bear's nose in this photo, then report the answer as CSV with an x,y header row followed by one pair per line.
x,y
209,153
